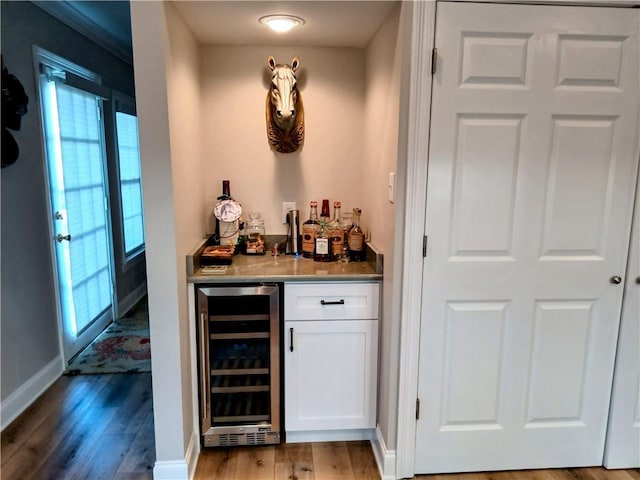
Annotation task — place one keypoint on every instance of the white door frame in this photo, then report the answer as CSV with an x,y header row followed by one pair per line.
x,y
422,43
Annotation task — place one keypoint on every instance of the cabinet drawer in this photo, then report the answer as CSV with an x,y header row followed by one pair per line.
x,y
333,301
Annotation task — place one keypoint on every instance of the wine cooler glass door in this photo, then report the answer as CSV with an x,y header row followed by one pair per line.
x,y
240,368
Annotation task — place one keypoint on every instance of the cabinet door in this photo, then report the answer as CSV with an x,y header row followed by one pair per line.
x,y
330,374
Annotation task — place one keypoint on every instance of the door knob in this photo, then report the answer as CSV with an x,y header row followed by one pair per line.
x,y
638,280
61,237
616,279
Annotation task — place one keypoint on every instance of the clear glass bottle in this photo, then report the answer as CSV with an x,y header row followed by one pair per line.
x,y
345,225
310,231
322,250
335,233
254,235
356,238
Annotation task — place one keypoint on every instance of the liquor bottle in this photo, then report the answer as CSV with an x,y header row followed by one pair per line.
x,y
227,213
309,231
356,239
322,250
335,233
324,212
226,194
345,225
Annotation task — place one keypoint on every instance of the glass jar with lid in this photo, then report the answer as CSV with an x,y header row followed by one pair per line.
x,y
255,234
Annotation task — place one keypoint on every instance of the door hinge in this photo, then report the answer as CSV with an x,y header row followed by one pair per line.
x,y
434,60
417,409
424,246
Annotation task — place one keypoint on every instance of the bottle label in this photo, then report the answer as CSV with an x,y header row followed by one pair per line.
x,y
337,241
308,237
355,241
322,246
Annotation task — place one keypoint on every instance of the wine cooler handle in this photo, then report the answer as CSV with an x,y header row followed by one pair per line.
x,y
291,339
205,368
339,302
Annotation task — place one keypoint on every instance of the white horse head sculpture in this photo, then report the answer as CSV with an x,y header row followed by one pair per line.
x,y
285,117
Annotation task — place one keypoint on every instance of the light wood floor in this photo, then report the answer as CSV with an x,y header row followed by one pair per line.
x,y
100,427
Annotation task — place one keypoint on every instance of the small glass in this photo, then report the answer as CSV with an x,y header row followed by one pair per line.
x,y
255,235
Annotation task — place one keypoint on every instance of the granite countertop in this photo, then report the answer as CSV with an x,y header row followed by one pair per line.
x,y
286,268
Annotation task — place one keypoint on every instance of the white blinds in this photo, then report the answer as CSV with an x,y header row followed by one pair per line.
x,y
74,117
130,186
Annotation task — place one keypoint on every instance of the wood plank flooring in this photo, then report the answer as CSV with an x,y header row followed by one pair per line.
x,y
85,427
352,461
100,427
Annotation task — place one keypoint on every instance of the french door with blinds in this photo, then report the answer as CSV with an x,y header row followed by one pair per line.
x,y
71,107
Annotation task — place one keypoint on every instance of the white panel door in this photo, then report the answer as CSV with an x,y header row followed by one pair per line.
x,y
623,433
530,190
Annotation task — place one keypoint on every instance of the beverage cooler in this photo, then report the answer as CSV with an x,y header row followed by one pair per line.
x,y
239,364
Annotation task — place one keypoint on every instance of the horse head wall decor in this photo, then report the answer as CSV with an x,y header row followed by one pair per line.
x,y
285,114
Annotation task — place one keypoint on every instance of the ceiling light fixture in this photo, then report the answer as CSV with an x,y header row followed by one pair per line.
x,y
281,23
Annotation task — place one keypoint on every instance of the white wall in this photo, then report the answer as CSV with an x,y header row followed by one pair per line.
x,y
330,164
165,57
382,115
188,183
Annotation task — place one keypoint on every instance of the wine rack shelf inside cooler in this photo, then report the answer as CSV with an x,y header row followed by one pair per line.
x,y
242,336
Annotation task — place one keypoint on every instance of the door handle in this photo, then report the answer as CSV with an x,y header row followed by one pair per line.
x,y
61,237
616,279
638,280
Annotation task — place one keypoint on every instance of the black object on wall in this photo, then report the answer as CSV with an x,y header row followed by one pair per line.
x,y
14,106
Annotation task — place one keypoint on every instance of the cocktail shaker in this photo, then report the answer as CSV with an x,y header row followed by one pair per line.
x,y
293,233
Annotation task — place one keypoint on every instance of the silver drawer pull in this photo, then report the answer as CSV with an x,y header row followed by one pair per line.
x,y
339,302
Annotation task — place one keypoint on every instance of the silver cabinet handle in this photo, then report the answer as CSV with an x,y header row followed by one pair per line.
x,y
61,237
616,279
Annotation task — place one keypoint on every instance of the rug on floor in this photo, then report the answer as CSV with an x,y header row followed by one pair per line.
x,y
123,347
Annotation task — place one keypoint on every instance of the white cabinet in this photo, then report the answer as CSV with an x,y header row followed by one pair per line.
x,y
330,358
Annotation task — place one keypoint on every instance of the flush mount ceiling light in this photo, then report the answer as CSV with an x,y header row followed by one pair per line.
x,y
281,23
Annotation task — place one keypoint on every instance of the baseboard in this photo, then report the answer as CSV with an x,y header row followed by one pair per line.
x,y
180,469
193,452
30,391
386,459
329,436
174,470
128,302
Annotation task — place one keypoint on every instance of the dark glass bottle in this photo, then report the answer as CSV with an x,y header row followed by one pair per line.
x,y
309,231
325,215
356,239
226,194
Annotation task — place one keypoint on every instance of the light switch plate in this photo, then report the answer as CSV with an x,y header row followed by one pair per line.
x,y
286,206
392,187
